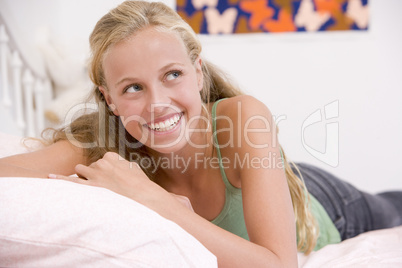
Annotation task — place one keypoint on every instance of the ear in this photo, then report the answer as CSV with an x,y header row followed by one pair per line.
x,y
109,100
200,74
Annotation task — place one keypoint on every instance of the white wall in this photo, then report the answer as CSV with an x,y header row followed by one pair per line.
x,y
294,74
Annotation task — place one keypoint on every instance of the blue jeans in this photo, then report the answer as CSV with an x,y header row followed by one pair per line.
x,y
352,211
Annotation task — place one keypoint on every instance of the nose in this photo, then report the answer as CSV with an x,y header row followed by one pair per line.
x,y
158,99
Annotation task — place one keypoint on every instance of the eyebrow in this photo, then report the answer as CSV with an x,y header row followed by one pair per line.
x,y
168,66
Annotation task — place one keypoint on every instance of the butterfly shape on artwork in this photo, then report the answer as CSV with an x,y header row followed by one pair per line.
x,y
308,18
220,23
259,10
358,12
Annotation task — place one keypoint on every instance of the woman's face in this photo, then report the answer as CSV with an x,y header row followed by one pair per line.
x,y
154,88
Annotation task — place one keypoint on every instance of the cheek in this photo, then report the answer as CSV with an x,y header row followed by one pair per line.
x,y
133,122
130,114
191,86
190,96
191,99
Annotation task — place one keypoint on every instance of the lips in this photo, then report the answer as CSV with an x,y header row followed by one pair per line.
x,y
166,124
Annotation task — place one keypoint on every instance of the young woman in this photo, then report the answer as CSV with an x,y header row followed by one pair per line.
x,y
170,122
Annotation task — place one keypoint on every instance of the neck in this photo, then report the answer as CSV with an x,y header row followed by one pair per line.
x,y
185,167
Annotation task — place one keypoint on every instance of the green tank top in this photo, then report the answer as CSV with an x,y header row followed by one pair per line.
x,y
231,217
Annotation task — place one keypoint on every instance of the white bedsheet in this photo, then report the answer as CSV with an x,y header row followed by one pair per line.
x,y
381,248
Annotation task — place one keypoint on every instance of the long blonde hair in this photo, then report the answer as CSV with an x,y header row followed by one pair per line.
x,y
106,129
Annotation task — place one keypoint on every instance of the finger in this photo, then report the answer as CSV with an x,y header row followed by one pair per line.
x,y
84,171
112,155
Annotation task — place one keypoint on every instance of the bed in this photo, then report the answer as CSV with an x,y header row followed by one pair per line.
x,y
51,223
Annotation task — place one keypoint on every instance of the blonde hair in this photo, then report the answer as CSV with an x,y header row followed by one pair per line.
x,y
120,23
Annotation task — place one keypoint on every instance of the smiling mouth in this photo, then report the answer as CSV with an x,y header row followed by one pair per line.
x,y
165,125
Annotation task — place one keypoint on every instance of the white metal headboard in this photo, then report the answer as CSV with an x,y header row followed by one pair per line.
x,y
23,92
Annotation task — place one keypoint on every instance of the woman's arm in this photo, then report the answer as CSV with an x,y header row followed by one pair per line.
x,y
59,158
267,206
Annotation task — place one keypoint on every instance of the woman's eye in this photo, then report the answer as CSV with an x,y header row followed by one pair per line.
x,y
132,88
173,75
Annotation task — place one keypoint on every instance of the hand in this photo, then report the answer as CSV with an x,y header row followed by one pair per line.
x,y
126,178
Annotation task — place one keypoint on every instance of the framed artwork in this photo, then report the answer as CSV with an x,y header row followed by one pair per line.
x,y
252,16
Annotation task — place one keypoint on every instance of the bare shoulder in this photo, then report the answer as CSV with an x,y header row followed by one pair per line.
x,y
243,125
242,105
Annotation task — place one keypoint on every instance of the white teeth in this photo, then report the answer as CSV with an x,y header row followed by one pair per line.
x,y
166,125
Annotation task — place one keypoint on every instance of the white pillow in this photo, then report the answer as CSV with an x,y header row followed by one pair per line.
x,y
53,223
